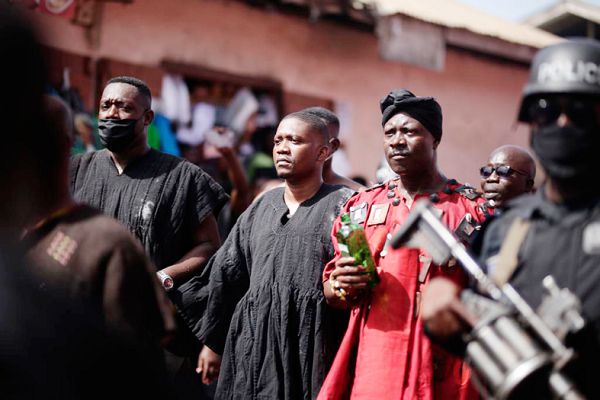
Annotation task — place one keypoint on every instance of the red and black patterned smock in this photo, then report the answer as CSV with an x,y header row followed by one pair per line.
x,y
384,353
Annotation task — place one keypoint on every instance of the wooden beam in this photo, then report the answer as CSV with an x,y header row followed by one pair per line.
x,y
209,74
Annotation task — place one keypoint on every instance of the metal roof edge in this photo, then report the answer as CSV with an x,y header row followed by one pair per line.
x,y
577,8
465,17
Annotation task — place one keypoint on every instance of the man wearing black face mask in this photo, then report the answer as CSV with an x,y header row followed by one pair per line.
x,y
167,202
561,102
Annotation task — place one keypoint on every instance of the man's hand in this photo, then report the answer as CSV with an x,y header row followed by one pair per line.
x,y
349,277
347,283
209,365
442,312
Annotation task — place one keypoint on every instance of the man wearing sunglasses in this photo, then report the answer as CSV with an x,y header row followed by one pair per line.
x,y
561,103
509,173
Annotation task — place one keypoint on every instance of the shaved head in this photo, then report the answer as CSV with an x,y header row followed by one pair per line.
x,y
497,189
517,156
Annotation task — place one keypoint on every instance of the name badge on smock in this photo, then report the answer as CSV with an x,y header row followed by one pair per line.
x,y
358,213
378,214
591,238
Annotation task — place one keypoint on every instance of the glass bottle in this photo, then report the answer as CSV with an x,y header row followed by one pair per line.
x,y
352,242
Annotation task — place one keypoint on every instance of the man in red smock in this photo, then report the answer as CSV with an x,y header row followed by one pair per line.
x,y
384,353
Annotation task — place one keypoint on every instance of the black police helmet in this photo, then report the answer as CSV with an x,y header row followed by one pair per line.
x,y
569,67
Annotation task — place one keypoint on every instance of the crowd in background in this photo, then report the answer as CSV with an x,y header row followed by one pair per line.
x,y
223,128
187,247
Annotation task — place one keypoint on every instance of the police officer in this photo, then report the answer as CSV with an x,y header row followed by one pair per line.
x,y
561,103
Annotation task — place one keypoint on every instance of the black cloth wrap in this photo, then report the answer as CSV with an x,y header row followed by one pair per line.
x,y
426,110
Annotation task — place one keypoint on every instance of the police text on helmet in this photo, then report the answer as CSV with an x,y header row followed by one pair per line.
x,y
569,71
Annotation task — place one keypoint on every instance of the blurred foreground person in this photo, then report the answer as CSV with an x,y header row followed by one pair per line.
x,y
509,173
20,181
265,313
50,346
384,354
91,257
333,126
561,222
168,203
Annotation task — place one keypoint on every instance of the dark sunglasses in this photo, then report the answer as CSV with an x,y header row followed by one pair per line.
x,y
546,110
502,171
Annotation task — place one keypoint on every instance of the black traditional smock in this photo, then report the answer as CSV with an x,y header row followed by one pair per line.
x,y
266,312
161,198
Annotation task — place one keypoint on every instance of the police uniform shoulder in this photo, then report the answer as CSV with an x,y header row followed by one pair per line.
x,y
526,200
495,227
522,206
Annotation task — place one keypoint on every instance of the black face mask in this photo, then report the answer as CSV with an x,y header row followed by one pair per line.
x,y
117,134
568,153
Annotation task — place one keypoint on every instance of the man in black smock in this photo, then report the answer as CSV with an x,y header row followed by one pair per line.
x,y
266,313
169,204
562,104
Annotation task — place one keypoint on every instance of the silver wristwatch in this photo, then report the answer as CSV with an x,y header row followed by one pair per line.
x,y
165,280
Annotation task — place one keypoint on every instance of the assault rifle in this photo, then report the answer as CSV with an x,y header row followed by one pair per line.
x,y
514,350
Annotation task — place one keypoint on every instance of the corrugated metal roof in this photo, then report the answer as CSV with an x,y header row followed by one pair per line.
x,y
453,14
564,9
